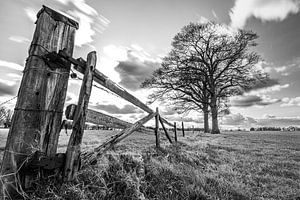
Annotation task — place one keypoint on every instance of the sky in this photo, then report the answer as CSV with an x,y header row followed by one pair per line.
x,y
132,36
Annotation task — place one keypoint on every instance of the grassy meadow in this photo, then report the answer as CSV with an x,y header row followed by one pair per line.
x,y
232,165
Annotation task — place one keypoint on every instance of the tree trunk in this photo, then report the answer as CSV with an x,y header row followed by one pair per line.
x,y
206,124
214,115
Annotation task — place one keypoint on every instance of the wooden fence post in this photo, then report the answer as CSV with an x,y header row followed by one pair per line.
x,y
182,129
156,130
175,131
74,146
41,97
165,130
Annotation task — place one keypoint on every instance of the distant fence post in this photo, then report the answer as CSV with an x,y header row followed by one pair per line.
x,y
165,130
175,131
156,130
38,112
74,146
182,129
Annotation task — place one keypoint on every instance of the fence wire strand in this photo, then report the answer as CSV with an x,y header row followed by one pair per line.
x,y
94,85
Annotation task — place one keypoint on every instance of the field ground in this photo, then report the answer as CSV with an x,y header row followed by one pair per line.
x,y
232,165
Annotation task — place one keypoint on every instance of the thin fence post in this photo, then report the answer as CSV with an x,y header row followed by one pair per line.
x,y
38,112
182,129
156,130
165,130
175,131
74,146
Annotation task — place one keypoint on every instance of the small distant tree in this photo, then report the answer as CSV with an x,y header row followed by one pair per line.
x,y
207,64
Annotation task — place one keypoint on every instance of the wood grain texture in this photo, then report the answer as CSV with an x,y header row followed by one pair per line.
x,y
91,157
39,108
74,146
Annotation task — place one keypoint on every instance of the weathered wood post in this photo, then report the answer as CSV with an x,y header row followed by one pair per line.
x,y
41,97
165,130
74,146
175,131
156,130
182,129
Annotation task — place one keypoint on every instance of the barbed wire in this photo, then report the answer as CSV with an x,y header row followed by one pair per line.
x,y
75,76
5,102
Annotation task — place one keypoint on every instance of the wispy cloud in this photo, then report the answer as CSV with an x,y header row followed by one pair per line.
x,y
266,10
271,89
19,39
11,65
214,14
203,20
85,33
90,21
31,13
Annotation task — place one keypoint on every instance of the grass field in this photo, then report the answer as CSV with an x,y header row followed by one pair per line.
x,y
232,165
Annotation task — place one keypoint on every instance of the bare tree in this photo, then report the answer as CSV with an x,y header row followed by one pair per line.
x,y
209,59
176,84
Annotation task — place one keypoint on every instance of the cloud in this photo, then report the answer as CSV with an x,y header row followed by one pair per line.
x,y
238,119
266,10
271,89
11,65
31,13
90,21
280,69
287,102
14,76
168,111
19,39
203,20
113,109
136,68
8,87
263,84
252,100
214,14
85,32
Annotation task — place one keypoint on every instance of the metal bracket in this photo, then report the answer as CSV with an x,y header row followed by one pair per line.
x,y
56,60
